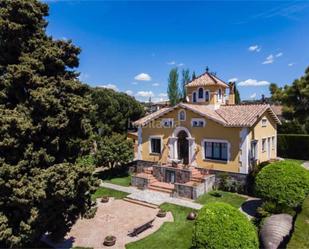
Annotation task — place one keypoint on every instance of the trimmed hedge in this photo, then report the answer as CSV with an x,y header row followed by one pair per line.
x,y
285,183
294,146
220,226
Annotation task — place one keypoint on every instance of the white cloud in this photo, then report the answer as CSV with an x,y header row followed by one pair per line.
x,y
145,94
143,77
253,96
134,83
254,48
110,86
233,80
159,99
171,63
180,64
269,59
129,92
155,84
252,82
83,76
291,64
279,54
163,95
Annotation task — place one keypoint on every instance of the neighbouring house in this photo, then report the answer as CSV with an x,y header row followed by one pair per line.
x,y
186,144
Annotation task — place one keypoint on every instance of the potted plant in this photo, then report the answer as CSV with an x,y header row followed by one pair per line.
x,y
161,213
109,240
104,199
191,216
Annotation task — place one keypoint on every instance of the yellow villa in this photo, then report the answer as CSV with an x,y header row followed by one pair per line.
x,y
208,132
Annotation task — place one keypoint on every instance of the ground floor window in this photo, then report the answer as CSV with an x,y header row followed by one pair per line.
x,y
216,150
263,144
155,145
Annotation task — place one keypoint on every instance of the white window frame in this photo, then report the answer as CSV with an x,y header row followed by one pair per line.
x,y
185,115
273,142
198,120
216,141
167,120
161,144
262,122
256,156
198,95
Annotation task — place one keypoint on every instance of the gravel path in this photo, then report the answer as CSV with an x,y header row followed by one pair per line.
x,y
151,196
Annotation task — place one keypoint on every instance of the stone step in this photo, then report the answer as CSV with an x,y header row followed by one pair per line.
x,y
141,203
160,189
197,179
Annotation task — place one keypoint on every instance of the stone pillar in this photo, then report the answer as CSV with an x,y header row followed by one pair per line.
x,y
139,139
172,145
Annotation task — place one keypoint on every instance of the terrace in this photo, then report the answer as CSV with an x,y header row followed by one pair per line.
x,y
178,180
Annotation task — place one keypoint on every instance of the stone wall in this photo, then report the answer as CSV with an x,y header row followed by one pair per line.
x,y
195,191
139,182
181,175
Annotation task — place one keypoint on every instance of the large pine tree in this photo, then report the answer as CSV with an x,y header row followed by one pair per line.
x,y
173,92
43,128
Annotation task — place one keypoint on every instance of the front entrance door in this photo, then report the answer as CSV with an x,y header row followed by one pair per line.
x,y
183,147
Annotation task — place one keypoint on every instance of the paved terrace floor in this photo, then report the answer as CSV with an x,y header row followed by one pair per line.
x,y
151,196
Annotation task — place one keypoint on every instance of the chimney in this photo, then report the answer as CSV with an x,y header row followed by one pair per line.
x,y
232,93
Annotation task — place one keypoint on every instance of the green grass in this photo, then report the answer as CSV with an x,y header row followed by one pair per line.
x,y
171,235
108,192
300,236
231,198
122,181
294,160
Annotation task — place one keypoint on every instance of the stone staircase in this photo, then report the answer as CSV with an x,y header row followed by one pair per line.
x,y
196,176
162,187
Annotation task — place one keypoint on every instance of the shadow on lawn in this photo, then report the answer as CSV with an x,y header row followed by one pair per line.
x,y
117,172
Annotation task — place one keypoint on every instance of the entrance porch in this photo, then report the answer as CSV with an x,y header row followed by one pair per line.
x,y
178,180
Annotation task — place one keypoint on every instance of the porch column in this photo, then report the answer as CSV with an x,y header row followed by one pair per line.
x,y
139,146
192,146
172,146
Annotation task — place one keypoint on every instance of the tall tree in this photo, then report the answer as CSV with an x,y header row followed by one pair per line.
x,y
43,128
173,88
185,80
114,111
193,75
237,95
294,98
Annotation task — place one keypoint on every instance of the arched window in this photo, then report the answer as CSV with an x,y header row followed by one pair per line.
x,y
200,93
207,96
220,94
182,115
194,97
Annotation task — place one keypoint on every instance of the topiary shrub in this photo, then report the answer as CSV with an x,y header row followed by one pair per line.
x,y
220,226
285,183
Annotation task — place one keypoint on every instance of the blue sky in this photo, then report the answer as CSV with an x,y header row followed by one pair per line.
x,y
132,45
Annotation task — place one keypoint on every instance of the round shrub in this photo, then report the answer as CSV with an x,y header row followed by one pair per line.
x,y
286,183
220,226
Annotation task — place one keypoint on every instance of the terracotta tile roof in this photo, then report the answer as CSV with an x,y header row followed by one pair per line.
x,y
226,115
207,79
151,116
243,115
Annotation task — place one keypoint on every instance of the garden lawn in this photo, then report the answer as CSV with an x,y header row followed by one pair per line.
x,y
171,235
108,192
122,181
233,199
300,236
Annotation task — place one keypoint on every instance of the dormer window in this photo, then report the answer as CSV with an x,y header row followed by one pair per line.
x,y
200,93
207,96
182,115
194,97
